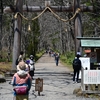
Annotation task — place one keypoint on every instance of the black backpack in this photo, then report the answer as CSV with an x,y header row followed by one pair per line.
x,y
76,63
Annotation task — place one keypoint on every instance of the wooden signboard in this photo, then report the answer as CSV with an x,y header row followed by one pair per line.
x,y
39,85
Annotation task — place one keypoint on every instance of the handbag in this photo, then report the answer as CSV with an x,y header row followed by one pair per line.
x,y
21,90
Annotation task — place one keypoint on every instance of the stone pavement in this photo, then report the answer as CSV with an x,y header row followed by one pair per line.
x,y
57,82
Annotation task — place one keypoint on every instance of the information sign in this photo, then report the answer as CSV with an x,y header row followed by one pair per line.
x,y
85,61
39,85
91,77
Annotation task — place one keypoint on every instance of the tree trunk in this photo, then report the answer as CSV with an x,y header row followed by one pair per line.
x,y
78,27
17,34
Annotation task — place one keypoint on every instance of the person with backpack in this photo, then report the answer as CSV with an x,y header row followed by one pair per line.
x,y
31,63
21,82
76,67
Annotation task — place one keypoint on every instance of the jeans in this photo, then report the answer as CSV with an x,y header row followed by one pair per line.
x,y
56,62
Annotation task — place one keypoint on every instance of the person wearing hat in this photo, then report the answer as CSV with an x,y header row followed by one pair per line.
x,y
21,82
31,64
26,66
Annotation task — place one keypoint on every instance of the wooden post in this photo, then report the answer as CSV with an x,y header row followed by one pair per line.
x,y
69,8
17,34
78,27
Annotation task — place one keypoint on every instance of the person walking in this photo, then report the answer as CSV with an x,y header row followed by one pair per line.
x,y
21,82
76,68
31,65
57,59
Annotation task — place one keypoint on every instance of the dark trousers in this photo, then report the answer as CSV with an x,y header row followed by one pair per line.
x,y
57,62
76,72
31,73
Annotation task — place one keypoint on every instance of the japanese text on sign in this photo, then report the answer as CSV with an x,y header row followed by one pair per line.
x,y
39,85
91,77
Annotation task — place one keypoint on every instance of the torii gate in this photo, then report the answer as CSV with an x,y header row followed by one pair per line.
x,y
18,22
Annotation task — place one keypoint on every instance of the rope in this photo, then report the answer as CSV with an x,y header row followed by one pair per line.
x,y
20,15
40,14
64,20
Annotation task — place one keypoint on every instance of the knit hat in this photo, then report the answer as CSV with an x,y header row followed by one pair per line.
x,y
22,65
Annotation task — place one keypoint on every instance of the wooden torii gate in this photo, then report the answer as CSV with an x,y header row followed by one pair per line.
x,y
18,22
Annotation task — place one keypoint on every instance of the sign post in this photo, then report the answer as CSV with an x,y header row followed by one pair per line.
x,y
39,85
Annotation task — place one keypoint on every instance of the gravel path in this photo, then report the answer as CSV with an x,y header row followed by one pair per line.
x,y
57,82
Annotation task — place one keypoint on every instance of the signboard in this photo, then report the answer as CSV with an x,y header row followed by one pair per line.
x,y
91,77
90,43
85,61
39,85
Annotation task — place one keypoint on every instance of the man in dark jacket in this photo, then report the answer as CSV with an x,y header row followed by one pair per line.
x,y
76,67
57,59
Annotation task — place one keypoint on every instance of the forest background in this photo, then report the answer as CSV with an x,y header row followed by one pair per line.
x,y
47,31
